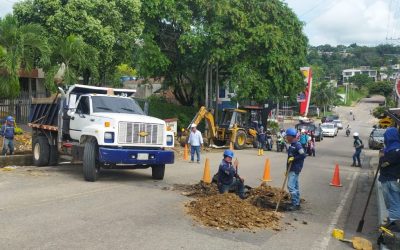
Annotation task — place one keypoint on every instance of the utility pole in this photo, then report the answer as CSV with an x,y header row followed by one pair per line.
x,y
216,94
206,98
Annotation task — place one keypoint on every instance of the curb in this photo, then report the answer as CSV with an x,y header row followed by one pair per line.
x,y
16,160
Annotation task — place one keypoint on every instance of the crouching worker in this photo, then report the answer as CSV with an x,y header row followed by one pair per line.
x,y
228,177
7,132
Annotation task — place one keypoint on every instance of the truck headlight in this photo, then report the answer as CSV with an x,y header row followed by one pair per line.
x,y
109,137
170,140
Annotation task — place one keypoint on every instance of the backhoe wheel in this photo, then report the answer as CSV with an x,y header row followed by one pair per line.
x,y
241,139
157,172
41,151
91,168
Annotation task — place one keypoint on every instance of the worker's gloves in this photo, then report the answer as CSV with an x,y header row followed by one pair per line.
x,y
290,159
385,164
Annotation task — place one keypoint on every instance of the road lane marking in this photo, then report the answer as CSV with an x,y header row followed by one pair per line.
x,y
324,243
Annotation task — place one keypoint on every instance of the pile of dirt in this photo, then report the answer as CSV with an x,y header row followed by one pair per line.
x,y
228,211
200,189
267,197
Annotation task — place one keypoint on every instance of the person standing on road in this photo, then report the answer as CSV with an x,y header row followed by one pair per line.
x,y
358,145
304,139
195,141
7,132
261,140
295,161
228,177
390,177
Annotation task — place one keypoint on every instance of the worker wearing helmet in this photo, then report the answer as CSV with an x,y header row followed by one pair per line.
x,y
7,132
358,145
228,177
195,141
304,139
295,162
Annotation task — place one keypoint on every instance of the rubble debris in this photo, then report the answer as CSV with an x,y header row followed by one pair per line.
x,y
267,197
228,211
200,189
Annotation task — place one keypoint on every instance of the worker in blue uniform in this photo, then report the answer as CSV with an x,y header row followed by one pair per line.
x,y
228,177
295,161
7,132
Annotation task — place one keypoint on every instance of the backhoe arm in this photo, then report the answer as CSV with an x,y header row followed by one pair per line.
x,y
205,114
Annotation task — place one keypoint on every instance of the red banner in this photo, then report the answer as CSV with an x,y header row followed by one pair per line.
x,y
306,94
398,87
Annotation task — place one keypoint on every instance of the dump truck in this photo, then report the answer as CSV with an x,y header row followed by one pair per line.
x,y
101,127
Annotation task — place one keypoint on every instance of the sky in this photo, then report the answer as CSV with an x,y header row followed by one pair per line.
x,y
365,22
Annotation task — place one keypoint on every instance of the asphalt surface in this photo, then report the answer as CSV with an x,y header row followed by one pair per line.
x,y
53,208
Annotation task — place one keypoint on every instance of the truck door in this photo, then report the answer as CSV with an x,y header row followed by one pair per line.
x,y
80,118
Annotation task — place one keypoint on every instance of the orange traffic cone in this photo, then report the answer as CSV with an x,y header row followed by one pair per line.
x,y
186,153
206,173
336,177
231,145
267,170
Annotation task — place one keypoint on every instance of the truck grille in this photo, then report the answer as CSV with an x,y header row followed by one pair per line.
x,y
140,133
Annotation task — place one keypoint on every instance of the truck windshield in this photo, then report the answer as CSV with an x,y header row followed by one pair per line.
x,y
111,104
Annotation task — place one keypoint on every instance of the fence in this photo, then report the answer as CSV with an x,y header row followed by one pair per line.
x,y
19,107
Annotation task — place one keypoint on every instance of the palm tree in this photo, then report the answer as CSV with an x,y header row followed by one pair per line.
x,y
324,95
71,57
22,47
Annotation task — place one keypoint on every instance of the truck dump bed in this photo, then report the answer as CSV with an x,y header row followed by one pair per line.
x,y
44,113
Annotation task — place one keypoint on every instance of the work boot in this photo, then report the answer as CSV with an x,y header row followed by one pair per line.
x,y
293,208
359,165
259,152
353,165
262,151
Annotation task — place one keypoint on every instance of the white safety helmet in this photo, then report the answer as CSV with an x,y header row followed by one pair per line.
x,y
356,134
193,125
303,130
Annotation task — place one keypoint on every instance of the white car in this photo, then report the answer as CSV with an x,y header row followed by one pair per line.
x,y
329,129
338,123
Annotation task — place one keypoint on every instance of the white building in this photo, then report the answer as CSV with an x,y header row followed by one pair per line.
x,y
348,73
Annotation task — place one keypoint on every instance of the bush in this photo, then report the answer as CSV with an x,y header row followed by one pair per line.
x,y
273,126
379,112
161,108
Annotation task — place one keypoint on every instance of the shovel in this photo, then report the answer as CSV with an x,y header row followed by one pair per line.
x,y
283,186
357,242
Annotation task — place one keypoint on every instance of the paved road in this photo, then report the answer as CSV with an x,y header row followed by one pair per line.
x,y
53,208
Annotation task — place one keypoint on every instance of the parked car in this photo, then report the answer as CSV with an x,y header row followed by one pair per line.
x,y
329,118
375,140
329,129
338,123
311,127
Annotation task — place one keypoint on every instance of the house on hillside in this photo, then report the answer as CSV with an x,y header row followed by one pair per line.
x,y
348,73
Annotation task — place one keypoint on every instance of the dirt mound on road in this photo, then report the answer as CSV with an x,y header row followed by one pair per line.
x,y
197,190
228,211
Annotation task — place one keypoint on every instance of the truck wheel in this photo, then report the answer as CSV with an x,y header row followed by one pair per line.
x,y
53,161
157,172
90,167
241,139
41,151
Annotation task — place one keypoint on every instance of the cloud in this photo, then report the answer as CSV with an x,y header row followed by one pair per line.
x,y
344,22
6,7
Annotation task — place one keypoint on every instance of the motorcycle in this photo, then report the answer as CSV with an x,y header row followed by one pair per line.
x,y
280,144
347,132
268,141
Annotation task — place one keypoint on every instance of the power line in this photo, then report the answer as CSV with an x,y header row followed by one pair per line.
x,y
312,8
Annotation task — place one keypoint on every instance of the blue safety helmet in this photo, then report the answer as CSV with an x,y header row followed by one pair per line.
x,y
291,132
9,119
228,153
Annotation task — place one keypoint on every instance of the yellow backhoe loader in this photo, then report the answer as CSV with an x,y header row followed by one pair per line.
x,y
237,126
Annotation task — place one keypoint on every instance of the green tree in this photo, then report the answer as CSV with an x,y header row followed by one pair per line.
x,y
111,27
360,80
324,95
256,46
77,56
22,47
384,88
